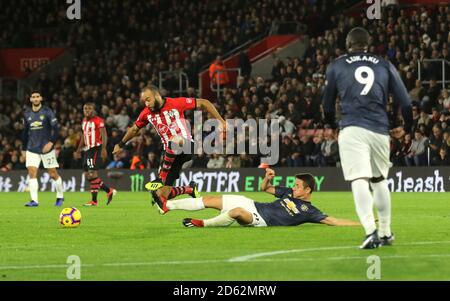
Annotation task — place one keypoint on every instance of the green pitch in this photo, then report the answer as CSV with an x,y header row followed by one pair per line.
x,y
129,240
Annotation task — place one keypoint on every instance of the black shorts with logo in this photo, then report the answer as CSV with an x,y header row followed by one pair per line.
x,y
92,158
175,170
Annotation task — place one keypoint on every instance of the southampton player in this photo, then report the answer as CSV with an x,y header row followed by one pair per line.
x,y
167,116
39,136
363,82
292,208
94,141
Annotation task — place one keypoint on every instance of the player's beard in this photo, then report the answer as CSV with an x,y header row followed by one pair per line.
x,y
157,106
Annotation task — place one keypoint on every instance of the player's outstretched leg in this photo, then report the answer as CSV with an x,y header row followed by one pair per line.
x,y
58,185
191,190
364,208
165,193
224,219
191,204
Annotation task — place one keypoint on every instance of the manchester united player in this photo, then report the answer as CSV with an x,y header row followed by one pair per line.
x,y
94,140
39,135
167,116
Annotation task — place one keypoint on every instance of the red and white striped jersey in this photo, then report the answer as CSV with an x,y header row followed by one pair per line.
x,y
169,121
91,131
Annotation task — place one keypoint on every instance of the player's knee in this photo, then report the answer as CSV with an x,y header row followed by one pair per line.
x,y
53,174
376,179
32,172
236,212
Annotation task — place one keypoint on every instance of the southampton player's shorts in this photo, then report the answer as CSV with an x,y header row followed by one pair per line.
x,y
364,154
92,159
48,159
180,162
238,201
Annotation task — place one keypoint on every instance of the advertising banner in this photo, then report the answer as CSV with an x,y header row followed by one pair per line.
x,y
420,179
19,62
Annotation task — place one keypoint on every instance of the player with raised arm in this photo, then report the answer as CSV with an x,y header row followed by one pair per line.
x,y
167,116
94,141
292,208
39,135
363,82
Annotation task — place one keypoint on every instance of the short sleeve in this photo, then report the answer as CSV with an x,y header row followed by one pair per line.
x,y
184,103
100,123
142,119
282,192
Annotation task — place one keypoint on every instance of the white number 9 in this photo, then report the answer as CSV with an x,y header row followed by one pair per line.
x,y
367,81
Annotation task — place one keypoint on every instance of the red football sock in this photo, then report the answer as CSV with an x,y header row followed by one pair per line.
x,y
176,191
168,159
95,185
197,222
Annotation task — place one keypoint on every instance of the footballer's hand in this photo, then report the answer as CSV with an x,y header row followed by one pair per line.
x,y
24,155
270,173
117,149
398,132
104,154
47,147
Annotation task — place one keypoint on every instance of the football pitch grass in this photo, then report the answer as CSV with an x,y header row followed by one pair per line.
x,y
130,240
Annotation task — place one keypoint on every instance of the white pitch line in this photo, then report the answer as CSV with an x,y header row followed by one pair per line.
x,y
253,257
350,258
258,255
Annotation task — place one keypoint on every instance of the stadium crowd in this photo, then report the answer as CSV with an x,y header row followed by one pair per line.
x,y
119,50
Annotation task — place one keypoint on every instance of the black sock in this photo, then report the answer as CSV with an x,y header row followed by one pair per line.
x,y
104,187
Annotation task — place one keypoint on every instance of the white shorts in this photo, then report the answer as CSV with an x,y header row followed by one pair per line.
x,y
238,201
364,154
48,159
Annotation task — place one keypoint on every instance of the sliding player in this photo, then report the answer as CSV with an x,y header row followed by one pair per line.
x,y
292,208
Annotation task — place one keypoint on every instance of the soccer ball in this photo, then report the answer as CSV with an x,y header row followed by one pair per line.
x,y
70,217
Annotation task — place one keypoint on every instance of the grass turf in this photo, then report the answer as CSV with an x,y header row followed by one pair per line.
x,y
129,240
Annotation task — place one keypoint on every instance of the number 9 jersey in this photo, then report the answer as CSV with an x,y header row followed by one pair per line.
x,y
363,82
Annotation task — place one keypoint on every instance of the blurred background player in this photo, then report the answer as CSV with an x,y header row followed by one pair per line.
x,y
167,117
292,208
94,141
39,135
363,82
